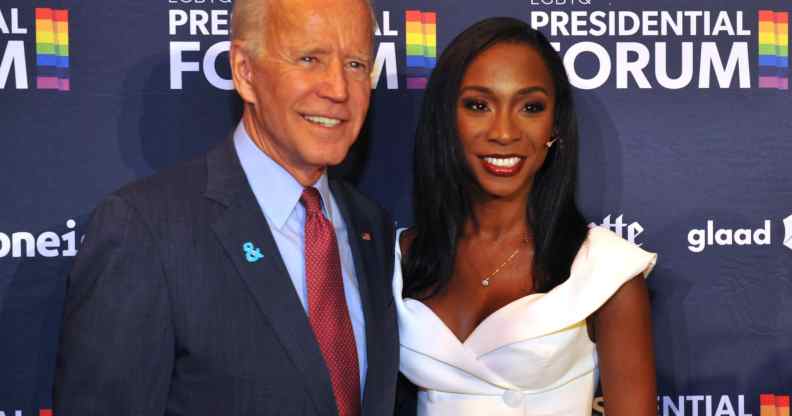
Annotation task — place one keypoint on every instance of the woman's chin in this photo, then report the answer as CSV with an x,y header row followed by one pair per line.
x,y
503,192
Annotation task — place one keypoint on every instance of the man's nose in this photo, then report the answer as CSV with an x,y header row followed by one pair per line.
x,y
335,85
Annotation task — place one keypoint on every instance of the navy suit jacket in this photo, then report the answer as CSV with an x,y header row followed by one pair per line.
x,y
165,316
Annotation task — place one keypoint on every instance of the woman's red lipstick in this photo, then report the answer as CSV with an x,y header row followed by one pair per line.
x,y
502,165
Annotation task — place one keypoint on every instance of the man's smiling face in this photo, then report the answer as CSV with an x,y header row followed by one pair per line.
x,y
311,83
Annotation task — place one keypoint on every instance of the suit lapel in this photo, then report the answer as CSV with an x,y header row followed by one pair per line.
x,y
267,278
362,250
364,240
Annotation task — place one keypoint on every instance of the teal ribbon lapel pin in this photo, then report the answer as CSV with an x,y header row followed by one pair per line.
x,y
252,253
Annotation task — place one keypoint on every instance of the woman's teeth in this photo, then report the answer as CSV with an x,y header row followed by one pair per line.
x,y
503,162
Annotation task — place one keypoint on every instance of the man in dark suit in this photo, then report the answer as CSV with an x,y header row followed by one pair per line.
x,y
246,282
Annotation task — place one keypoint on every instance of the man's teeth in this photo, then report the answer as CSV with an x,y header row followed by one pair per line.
x,y
324,121
503,162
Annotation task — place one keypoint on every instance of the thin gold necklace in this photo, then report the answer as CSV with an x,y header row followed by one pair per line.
x,y
485,281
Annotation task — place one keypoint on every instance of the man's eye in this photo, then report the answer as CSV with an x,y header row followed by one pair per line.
x,y
475,105
533,107
357,65
308,59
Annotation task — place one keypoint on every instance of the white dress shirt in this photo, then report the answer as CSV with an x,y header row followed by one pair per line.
x,y
278,194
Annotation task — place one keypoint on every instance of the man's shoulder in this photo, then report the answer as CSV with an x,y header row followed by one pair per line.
x,y
182,182
357,200
166,203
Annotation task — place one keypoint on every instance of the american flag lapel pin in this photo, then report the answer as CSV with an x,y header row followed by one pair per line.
x,y
365,236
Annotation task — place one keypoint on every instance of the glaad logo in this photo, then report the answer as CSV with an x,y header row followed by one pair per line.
x,y
788,232
699,239
633,229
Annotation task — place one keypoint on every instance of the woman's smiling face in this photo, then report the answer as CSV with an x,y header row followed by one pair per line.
x,y
505,117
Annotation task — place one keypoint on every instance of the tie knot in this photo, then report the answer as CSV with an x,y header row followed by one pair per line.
x,y
311,200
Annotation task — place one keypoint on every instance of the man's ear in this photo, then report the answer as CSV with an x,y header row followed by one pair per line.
x,y
242,70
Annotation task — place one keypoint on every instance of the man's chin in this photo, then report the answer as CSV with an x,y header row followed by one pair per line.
x,y
331,155
330,162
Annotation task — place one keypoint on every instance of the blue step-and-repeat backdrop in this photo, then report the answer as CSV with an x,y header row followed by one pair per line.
x,y
686,149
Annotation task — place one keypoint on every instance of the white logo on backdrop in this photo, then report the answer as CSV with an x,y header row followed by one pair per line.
x,y
788,232
701,238
700,405
46,244
627,231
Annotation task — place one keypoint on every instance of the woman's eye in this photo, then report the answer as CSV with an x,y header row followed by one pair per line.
x,y
475,105
533,107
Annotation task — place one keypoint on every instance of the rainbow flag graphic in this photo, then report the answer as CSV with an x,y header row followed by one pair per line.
x,y
782,405
421,47
773,49
52,49
773,405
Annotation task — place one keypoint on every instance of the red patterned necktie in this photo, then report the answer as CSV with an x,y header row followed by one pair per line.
x,y
327,307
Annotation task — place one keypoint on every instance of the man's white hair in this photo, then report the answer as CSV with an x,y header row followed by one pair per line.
x,y
248,18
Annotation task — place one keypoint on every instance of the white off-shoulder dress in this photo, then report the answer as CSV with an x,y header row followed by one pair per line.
x,y
532,357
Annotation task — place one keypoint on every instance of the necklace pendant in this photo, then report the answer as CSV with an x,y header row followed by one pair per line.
x,y
485,282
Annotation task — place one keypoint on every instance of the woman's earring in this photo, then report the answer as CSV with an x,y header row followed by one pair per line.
x,y
553,138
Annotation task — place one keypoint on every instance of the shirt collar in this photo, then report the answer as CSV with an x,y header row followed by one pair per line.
x,y
277,192
323,186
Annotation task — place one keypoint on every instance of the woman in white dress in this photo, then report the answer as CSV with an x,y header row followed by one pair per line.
x,y
502,289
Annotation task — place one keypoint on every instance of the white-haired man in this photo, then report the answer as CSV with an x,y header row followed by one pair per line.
x,y
246,282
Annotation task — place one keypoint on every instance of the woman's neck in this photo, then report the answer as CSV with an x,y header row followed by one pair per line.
x,y
497,218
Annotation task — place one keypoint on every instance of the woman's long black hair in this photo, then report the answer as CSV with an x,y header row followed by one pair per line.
x,y
443,183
